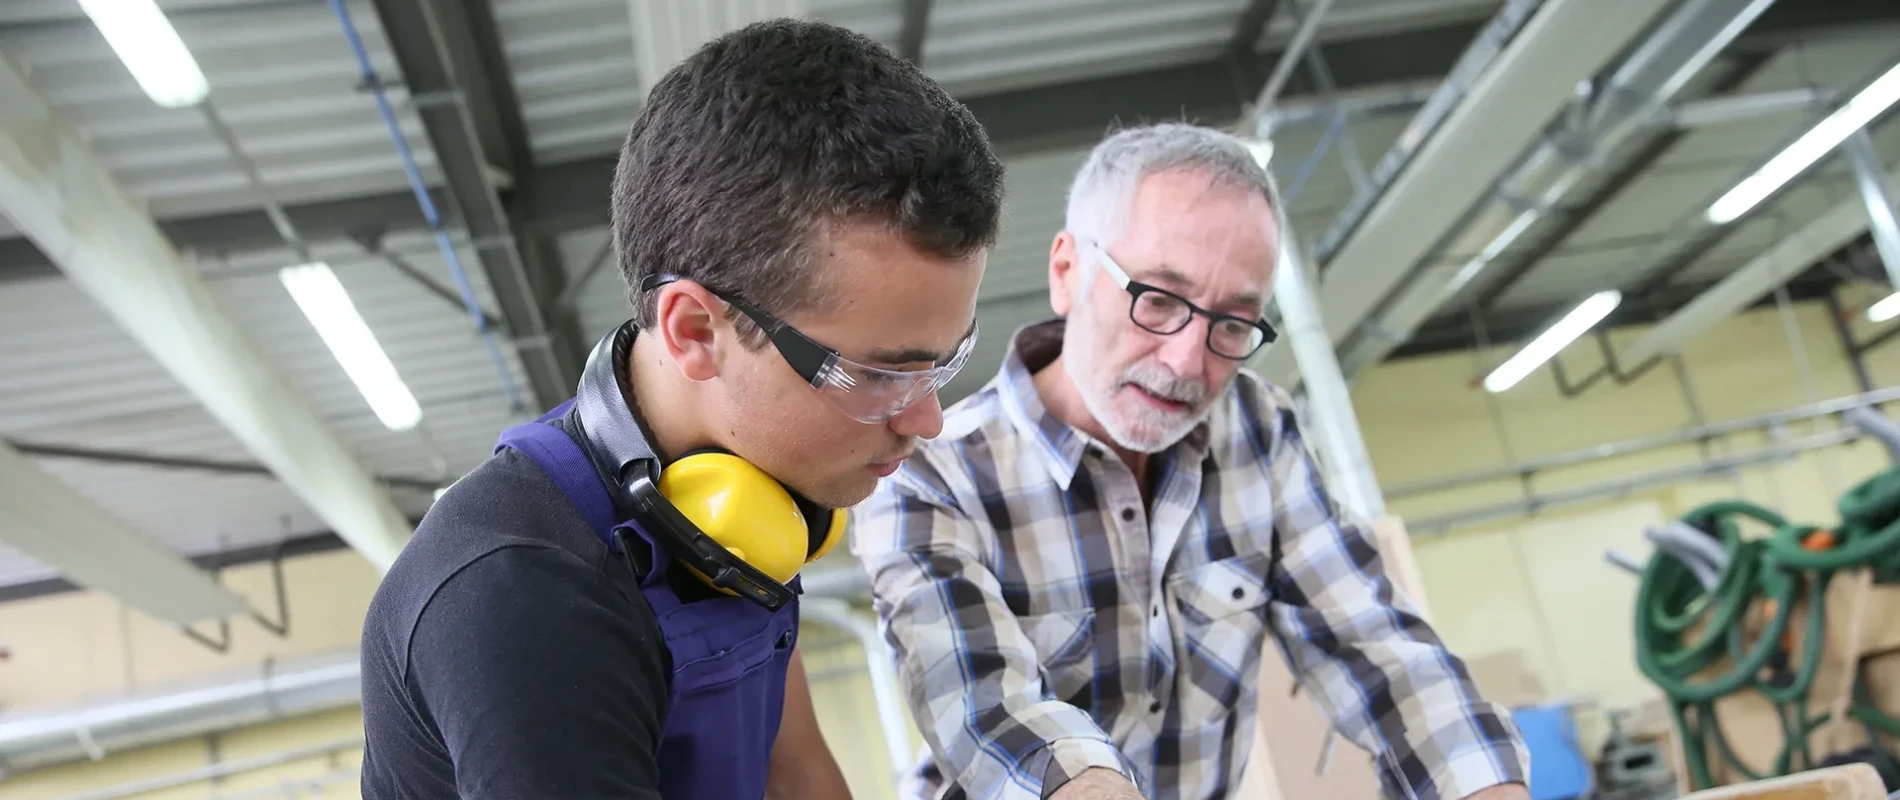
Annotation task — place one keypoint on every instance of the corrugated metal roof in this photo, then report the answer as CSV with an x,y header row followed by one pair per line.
x,y
981,46
85,382
1619,241
280,73
574,72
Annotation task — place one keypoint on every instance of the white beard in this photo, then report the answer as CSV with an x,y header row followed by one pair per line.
x,y
1140,430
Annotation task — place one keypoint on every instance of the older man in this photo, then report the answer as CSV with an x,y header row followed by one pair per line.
x,y
1079,576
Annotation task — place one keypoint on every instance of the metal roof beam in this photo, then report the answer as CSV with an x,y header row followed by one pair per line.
x,y
451,64
57,192
552,198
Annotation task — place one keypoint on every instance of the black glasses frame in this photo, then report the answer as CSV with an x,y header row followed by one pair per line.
x,y
1136,289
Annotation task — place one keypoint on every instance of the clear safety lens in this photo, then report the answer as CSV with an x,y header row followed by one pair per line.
x,y
872,395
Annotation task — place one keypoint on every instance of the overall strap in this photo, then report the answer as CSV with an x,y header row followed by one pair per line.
x,y
567,465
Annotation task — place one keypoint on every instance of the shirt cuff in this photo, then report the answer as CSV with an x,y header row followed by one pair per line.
x,y
1479,768
1069,758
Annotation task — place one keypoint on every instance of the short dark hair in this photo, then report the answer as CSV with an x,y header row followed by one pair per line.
x,y
764,135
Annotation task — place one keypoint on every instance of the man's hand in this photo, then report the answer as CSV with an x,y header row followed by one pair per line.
x,y
1101,784
1502,791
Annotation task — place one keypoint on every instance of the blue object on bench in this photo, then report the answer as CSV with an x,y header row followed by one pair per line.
x,y
1559,769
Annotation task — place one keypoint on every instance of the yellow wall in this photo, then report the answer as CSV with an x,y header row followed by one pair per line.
x,y
1536,585
75,645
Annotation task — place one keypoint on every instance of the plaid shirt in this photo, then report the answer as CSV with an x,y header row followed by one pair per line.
x,y
1045,621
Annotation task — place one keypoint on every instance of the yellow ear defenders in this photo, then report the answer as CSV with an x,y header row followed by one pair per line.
x,y
745,533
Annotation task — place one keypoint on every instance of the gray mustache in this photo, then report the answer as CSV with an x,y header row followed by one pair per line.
x,y
1161,383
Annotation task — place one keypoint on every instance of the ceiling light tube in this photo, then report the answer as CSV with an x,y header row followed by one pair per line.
x,y
145,42
328,307
1820,140
1885,309
1551,342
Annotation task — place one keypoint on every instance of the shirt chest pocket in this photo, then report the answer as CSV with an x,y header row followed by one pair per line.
x,y
1223,607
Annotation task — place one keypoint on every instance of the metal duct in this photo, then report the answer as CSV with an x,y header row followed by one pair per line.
x,y
1464,75
1507,108
270,691
1627,105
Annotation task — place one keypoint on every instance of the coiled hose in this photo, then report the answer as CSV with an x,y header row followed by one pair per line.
x,y
1690,637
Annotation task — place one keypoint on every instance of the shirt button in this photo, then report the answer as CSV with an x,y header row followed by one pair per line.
x,y
1239,593
1156,611
1128,515
1154,707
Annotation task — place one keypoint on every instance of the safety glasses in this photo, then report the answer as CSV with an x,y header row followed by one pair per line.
x,y
864,393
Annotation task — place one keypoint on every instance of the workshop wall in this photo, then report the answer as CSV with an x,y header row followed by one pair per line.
x,y
1534,585
1537,587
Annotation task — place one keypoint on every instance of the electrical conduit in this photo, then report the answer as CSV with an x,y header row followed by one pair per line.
x,y
431,216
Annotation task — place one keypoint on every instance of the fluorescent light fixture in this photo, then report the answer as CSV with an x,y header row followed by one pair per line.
x,y
145,42
1820,140
1551,342
1262,151
1885,309
328,307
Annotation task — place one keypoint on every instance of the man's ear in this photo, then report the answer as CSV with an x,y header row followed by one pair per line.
x,y
1065,268
687,320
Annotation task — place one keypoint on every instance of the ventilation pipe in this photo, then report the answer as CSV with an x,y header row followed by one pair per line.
x,y
286,688
1495,115
1633,97
269,692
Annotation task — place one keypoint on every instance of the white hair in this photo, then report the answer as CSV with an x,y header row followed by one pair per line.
x,y
1104,188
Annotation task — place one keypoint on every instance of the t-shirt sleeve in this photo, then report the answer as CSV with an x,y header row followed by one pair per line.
x,y
543,679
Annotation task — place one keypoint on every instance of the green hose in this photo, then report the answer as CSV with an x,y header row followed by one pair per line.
x,y
1777,571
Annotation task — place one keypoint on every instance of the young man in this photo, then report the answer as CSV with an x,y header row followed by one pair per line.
x,y
606,607
1079,580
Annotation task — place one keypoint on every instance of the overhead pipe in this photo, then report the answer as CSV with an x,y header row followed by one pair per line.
x,y
431,216
224,769
282,689
1719,465
1690,435
1600,122
268,692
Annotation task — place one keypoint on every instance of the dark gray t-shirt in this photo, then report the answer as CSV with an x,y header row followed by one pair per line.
x,y
509,654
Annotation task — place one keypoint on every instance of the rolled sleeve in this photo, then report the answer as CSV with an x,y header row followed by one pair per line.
x,y
972,677
1370,660
1069,758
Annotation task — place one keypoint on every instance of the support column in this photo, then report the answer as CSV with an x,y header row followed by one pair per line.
x,y
1329,400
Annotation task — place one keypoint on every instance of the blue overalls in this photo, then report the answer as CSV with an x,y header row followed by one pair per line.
x,y
730,655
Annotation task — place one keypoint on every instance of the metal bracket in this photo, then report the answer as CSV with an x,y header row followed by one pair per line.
x,y
220,645
279,627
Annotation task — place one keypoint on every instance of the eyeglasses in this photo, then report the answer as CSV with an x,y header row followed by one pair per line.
x,y
1160,311
867,394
